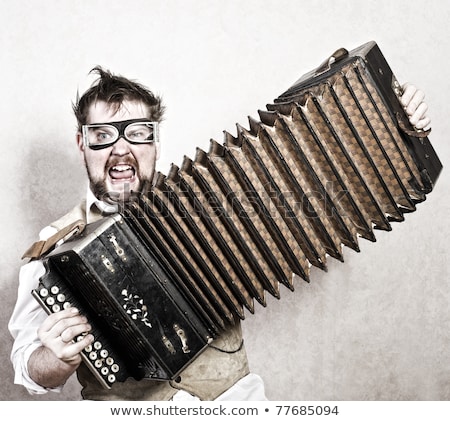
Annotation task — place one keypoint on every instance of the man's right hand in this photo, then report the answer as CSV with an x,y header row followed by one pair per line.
x,y
58,331
59,356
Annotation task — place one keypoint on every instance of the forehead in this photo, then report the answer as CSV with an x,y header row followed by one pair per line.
x,y
102,112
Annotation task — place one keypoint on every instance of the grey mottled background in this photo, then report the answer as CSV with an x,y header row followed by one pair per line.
x,y
373,328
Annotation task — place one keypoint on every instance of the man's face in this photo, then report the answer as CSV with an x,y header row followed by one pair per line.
x,y
117,170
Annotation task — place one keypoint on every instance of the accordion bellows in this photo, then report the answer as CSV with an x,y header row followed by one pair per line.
x,y
319,170
329,162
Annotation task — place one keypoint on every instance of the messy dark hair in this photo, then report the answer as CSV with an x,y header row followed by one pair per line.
x,y
114,89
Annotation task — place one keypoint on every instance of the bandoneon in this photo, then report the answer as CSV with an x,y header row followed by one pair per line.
x,y
330,161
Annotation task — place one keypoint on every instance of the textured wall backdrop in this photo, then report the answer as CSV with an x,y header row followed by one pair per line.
x,y
373,328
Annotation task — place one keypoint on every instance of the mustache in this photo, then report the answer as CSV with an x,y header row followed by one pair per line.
x,y
113,161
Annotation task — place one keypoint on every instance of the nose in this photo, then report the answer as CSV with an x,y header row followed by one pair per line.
x,y
121,147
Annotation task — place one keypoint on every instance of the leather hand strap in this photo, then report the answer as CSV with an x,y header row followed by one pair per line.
x,y
409,132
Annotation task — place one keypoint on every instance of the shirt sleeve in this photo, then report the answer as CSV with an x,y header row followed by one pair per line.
x,y
25,320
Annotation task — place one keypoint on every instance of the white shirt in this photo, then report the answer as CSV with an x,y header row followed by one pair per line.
x,y
28,315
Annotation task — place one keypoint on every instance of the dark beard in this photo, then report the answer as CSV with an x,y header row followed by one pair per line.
x,y
100,191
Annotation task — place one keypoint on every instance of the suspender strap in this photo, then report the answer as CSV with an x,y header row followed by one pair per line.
x,y
40,248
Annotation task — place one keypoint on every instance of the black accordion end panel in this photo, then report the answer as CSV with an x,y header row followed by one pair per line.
x,y
332,160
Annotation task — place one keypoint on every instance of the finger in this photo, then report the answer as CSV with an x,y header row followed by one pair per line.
x,y
69,327
418,114
424,124
408,92
54,318
71,331
69,352
415,102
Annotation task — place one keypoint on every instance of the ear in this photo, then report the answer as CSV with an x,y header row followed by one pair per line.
x,y
80,143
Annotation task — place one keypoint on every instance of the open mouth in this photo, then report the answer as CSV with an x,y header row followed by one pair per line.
x,y
122,172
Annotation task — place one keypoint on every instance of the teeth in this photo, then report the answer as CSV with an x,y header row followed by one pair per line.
x,y
121,168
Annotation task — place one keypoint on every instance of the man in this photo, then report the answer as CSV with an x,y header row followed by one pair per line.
x,y
117,138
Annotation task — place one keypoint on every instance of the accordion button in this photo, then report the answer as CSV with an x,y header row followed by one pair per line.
x,y
111,378
98,363
50,301
66,305
56,308
88,348
104,371
97,345
104,353
54,289
110,361
93,355
61,298
43,292
114,368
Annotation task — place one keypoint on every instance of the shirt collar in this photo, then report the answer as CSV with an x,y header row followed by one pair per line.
x,y
95,205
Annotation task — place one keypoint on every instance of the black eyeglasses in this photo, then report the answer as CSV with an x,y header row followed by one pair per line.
x,y
136,131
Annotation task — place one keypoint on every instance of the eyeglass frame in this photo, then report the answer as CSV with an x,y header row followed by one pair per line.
x,y
120,126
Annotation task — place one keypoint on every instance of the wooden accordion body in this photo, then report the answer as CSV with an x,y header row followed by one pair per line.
x,y
332,159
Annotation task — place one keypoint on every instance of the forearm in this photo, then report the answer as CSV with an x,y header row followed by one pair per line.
x,y
49,371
